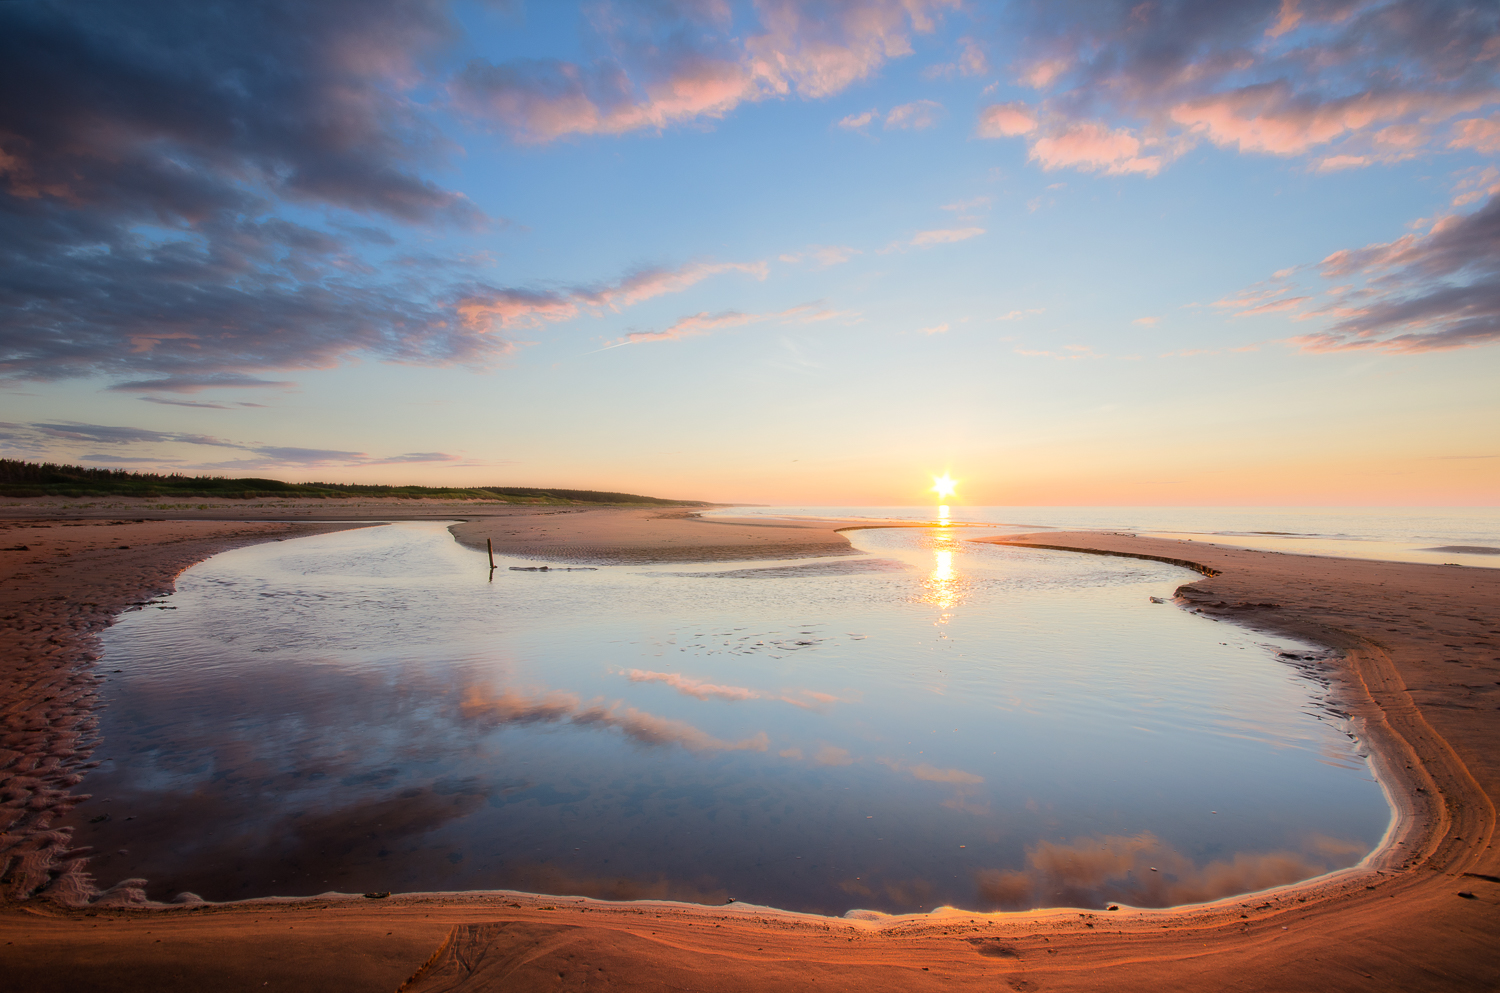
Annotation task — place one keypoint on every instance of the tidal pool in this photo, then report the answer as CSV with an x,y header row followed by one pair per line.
x,y
933,722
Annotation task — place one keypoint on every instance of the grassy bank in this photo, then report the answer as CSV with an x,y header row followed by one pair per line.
x,y
47,479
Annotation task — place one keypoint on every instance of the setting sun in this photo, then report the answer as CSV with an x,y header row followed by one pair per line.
x,y
944,486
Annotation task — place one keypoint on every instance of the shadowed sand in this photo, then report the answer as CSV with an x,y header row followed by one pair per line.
x,y
1420,676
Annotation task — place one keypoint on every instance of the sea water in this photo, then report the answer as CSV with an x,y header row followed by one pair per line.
x,y
929,721
1468,536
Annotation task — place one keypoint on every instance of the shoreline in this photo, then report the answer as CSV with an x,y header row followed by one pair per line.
x,y
1394,918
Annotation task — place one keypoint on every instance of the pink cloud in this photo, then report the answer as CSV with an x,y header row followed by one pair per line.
x,y
1142,871
704,323
813,50
933,774
856,121
1005,120
1274,119
820,49
968,206
1092,147
481,311
510,707
926,239
696,324
915,116
693,687
1480,134
1276,306
823,255
1333,163
1355,83
700,690
935,329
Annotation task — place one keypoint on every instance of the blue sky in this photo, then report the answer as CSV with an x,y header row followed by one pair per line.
x,y
1074,253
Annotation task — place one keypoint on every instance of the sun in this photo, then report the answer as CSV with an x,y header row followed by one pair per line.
x,y
944,486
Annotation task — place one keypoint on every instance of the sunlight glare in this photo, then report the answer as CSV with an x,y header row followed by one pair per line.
x,y
944,486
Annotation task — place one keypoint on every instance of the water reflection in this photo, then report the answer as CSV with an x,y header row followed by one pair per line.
x,y
363,712
1143,871
942,587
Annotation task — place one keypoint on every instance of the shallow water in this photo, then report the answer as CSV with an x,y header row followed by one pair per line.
x,y
1467,536
935,722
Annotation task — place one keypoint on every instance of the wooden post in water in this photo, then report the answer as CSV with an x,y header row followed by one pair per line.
x,y
490,545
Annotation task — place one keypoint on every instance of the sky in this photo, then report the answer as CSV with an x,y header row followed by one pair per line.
x,y
1074,253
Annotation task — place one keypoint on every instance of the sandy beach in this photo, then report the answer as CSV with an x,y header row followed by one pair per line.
x,y
1419,673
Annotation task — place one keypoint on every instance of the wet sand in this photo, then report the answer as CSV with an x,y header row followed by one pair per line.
x,y
1420,676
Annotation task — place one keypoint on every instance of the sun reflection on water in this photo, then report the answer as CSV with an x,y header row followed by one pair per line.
x,y
941,588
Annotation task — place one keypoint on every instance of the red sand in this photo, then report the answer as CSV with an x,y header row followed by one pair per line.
x,y
1420,675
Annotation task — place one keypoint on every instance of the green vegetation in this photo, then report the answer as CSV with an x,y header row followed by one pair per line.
x,y
48,479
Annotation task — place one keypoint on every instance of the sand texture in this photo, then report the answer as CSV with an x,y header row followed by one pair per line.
x,y
628,535
1419,675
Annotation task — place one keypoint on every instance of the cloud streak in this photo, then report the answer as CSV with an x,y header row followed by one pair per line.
x,y
704,323
484,309
700,690
43,434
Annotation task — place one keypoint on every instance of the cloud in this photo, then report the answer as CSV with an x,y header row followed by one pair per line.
x,y
935,329
968,206
1006,120
121,459
483,309
971,61
1147,322
823,255
72,431
932,774
1144,872
1092,147
833,755
1016,315
1419,293
926,239
856,121
186,403
694,687
700,690
678,63
509,707
1480,134
1350,83
266,456
915,116
148,180
308,456
195,384
704,323
695,324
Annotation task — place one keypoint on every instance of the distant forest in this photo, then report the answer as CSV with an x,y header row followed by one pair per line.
x,y
42,479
